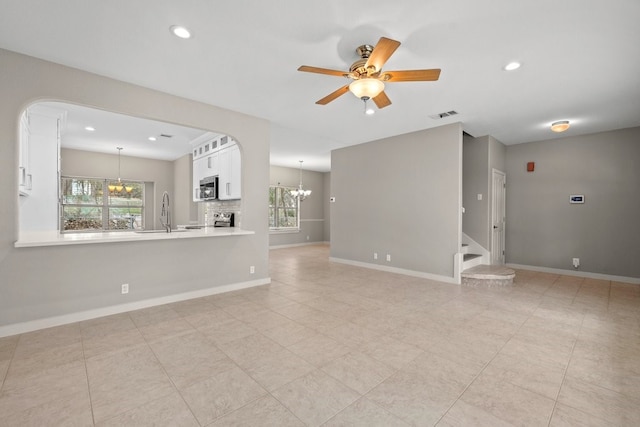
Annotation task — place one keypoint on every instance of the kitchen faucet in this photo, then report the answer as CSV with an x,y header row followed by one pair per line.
x,y
165,213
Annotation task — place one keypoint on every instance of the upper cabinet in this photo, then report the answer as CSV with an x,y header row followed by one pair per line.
x,y
230,173
25,176
217,157
40,129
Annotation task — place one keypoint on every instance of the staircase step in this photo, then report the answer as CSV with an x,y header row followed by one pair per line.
x,y
488,275
469,257
465,248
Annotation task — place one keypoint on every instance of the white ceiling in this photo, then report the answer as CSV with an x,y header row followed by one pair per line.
x,y
579,58
113,130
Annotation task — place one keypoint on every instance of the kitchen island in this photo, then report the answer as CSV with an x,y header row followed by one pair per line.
x,y
54,238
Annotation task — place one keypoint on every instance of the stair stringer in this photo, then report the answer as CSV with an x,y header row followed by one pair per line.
x,y
476,248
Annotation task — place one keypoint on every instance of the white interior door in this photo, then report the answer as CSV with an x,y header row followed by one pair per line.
x,y
499,184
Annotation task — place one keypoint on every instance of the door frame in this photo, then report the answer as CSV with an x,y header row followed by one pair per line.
x,y
498,203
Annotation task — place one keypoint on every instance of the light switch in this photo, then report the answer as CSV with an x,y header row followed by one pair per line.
x,y
479,196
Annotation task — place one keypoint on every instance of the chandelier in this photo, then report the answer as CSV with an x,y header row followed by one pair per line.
x,y
300,193
119,187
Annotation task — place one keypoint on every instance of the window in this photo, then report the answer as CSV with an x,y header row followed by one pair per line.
x,y
86,206
283,209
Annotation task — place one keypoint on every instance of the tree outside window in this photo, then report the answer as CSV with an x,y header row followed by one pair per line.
x,y
98,204
283,209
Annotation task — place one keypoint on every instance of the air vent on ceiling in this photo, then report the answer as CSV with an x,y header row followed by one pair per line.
x,y
164,135
443,115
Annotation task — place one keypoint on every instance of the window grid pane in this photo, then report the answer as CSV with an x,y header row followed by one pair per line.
x,y
85,207
283,208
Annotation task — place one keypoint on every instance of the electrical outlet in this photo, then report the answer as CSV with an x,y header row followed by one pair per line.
x,y
388,257
124,289
375,255
576,262
252,269
307,237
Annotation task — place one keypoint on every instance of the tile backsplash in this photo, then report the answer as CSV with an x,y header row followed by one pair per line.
x,y
209,208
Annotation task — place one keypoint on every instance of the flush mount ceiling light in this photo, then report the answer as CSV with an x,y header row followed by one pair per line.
x,y
89,128
560,126
300,193
512,66
152,138
180,32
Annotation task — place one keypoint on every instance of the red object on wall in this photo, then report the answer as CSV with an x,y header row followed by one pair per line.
x,y
531,166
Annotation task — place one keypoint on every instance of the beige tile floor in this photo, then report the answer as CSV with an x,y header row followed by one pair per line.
x,y
336,345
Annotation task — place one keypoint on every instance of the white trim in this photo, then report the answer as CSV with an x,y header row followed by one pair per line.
x,y
293,245
632,280
311,220
34,325
476,248
397,270
284,230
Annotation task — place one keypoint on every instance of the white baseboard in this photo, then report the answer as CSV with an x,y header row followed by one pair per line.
x,y
632,280
34,325
294,245
397,270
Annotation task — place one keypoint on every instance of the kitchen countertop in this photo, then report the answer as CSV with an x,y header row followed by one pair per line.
x,y
53,238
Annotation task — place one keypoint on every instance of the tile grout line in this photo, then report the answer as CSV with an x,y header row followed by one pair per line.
x,y
86,373
13,354
487,364
498,352
566,369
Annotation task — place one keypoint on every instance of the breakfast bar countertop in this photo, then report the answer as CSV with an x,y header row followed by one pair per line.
x,y
54,238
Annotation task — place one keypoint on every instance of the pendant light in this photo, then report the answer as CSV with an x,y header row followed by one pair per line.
x,y
300,193
113,188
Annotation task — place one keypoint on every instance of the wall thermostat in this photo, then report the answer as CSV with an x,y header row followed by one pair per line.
x,y
576,198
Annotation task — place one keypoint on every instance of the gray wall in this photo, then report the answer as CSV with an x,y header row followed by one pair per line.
x,y
497,156
311,209
100,165
544,230
185,210
480,156
71,279
400,196
475,170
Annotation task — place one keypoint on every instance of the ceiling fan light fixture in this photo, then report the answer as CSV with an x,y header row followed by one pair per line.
x,y
366,87
560,126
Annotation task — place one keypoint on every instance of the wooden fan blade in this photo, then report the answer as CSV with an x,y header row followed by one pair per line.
x,y
382,100
411,75
327,71
381,53
333,95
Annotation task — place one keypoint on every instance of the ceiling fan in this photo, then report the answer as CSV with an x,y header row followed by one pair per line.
x,y
368,77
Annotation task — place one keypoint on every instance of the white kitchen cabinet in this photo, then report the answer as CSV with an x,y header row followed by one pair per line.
x,y
229,183
25,175
202,168
218,157
199,167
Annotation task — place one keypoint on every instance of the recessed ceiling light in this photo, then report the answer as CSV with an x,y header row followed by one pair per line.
x,y
181,32
152,138
512,66
89,128
560,126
